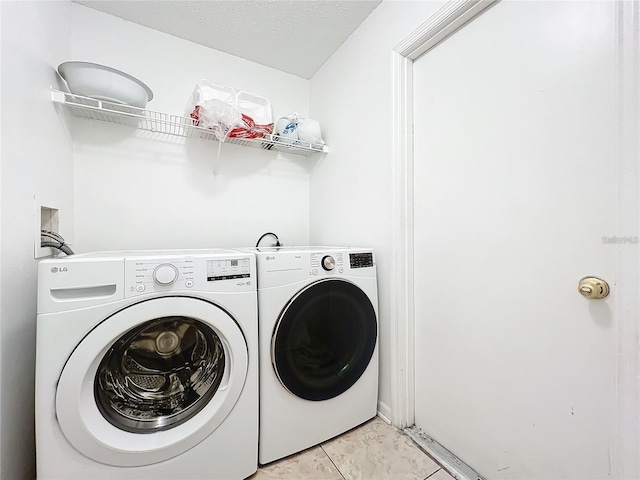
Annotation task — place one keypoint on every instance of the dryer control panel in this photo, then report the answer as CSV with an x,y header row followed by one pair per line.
x,y
285,265
328,262
361,260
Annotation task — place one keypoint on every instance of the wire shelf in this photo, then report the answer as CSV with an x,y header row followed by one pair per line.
x,y
166,124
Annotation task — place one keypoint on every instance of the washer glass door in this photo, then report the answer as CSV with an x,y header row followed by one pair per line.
x,y
324,339
151,381
159,374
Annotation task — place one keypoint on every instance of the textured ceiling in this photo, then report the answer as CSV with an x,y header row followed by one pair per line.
x,y
295,36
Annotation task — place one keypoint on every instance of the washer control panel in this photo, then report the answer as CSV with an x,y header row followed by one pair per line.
x,y
228,269
202,273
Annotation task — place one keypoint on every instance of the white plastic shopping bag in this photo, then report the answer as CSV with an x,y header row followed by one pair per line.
x,y
229,113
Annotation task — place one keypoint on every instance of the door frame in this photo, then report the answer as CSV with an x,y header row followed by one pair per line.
x,y
437,28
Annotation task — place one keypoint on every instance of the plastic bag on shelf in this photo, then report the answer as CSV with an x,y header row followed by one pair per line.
x,y
287,129
217,116
229,113
309,131
292,128
257,119
213,107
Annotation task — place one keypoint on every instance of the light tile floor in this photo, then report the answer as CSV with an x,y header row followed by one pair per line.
x,y
373,451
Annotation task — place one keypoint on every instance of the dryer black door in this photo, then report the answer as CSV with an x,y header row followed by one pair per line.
x,y
324,339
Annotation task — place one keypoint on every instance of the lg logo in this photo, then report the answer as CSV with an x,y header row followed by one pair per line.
x,y
57,270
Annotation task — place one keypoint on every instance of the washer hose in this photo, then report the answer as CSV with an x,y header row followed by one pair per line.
x,y
60,246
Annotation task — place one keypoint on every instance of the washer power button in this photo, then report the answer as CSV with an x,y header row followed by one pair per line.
x,y
165,274
188,283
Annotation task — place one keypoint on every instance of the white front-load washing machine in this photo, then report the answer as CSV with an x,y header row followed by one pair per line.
x,y
146,366
318,332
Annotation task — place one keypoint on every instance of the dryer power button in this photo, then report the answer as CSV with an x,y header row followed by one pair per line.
x,y
165,274
328,262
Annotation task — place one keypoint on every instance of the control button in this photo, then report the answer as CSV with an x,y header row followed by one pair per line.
x,y
140,287
188,283
341,270
165,274
314,271
328,262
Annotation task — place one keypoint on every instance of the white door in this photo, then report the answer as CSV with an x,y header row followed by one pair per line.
x,y
517,198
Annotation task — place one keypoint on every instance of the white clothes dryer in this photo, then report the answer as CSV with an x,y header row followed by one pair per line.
x,y
318,332
146,366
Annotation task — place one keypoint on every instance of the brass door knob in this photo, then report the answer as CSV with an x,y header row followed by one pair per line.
x,y
593,287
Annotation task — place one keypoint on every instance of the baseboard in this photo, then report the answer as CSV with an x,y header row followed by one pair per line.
x,y
384,412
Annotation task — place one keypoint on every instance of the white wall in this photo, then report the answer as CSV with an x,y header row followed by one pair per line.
x,y
36,160
132,192
351,190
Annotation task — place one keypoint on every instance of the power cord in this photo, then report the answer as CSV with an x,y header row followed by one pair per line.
x,y
57,241
278,244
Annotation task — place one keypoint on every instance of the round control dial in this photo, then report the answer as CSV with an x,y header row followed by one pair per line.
x,y
165,274
328,262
